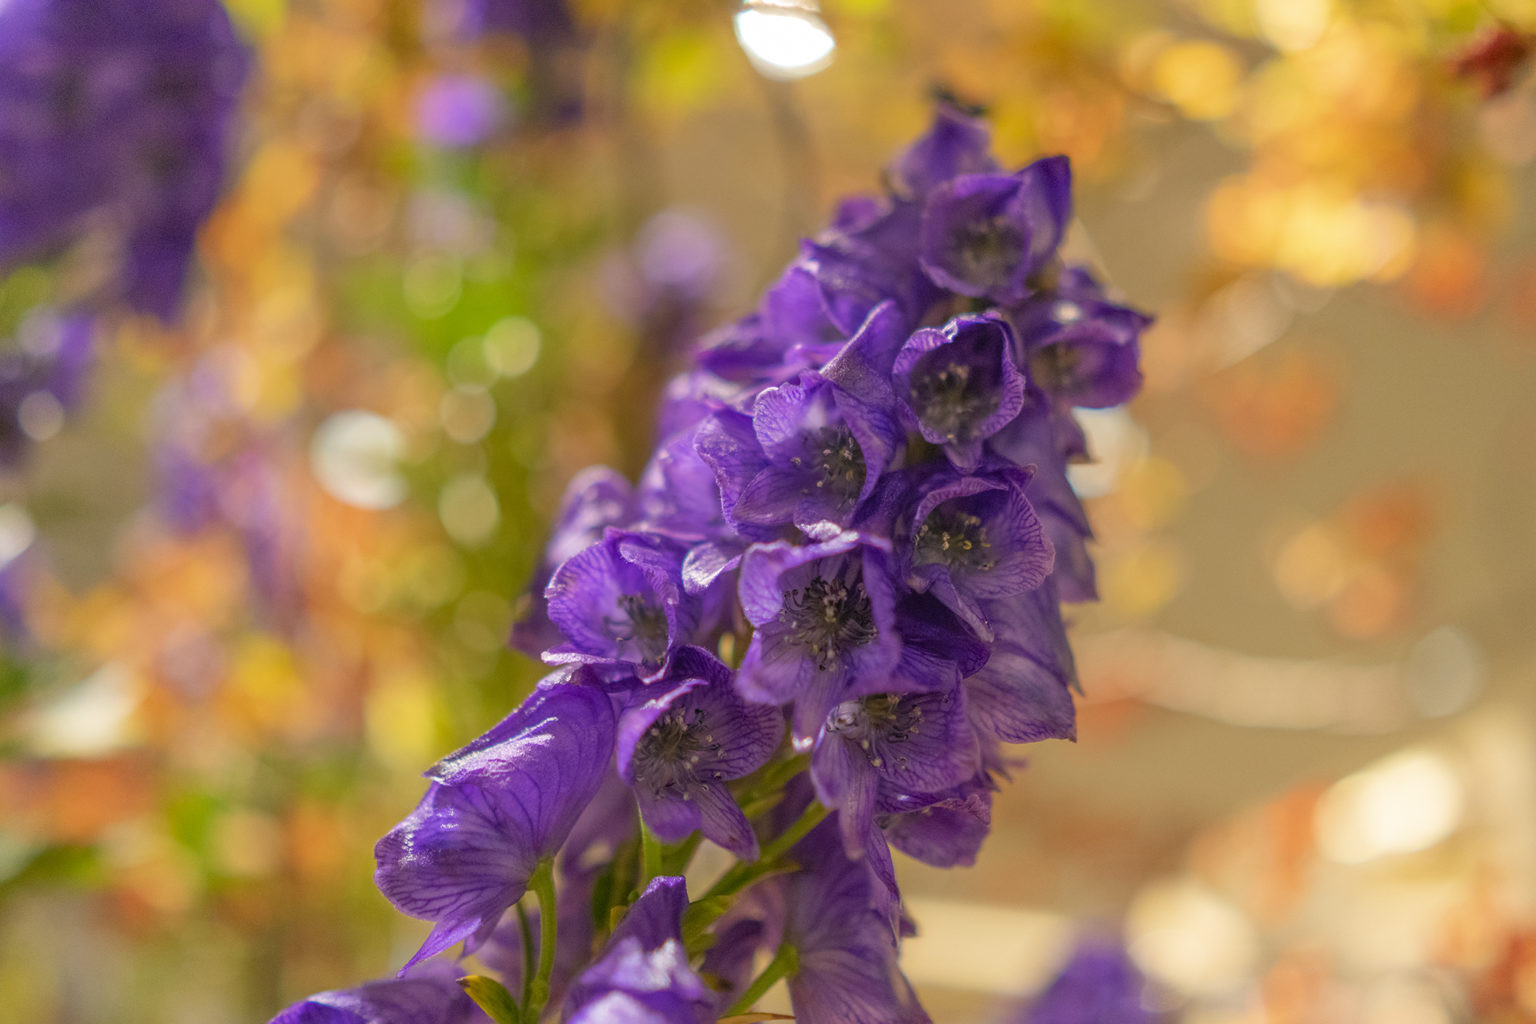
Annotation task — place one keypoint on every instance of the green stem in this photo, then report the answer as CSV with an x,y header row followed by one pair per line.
x,y
650,856
775,776
809,819
676,857
543,885
784,964
708,908
522,924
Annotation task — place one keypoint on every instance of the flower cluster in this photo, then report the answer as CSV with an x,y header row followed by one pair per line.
x,y
114,118
804,635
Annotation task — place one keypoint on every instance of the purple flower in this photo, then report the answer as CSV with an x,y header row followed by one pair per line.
x,y
976,538
845,950
914,742
959,385
1081,348
1045,438
1023,693
1099,985
430,995
643,976
457,111
534,20
495,809
812,454
115,112
677,494
987,235
825,618
679,748
944,829
595,499
621,601
859,266
955,144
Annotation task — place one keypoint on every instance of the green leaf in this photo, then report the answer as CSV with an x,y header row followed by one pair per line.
x,y
492,997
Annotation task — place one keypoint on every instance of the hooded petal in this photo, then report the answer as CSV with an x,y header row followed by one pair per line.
x,y
495,809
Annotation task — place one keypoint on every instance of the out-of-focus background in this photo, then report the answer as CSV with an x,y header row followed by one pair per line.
x,y
257,569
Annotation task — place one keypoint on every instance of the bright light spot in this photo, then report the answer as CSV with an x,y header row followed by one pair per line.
x,y
1294,24
92,719
17,532
1443,672
1115,441
40,415
784,39
469,510
354,455
512,346
1185,935
1408,802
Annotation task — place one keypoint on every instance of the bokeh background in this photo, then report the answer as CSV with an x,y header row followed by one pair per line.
x,y
261,568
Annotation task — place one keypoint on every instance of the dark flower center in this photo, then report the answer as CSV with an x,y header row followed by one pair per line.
x,y
953,400
669,754
834,461
642,622
883,718
829,617
1057,368
957,539
987,251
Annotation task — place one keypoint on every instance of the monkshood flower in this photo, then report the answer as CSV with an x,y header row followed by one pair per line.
x,y
809,453
495,811
955,144
987,235
643,976
825,618
844,952
911,742
977,538
866,466
1099,985
943,829
958,384
621,602
429,995
1022,694
871,260
595,499
1080,348
678,748
1046,439
116,111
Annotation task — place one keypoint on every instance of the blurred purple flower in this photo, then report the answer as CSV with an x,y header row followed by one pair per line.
x,y
116,113
1098,985
458,111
